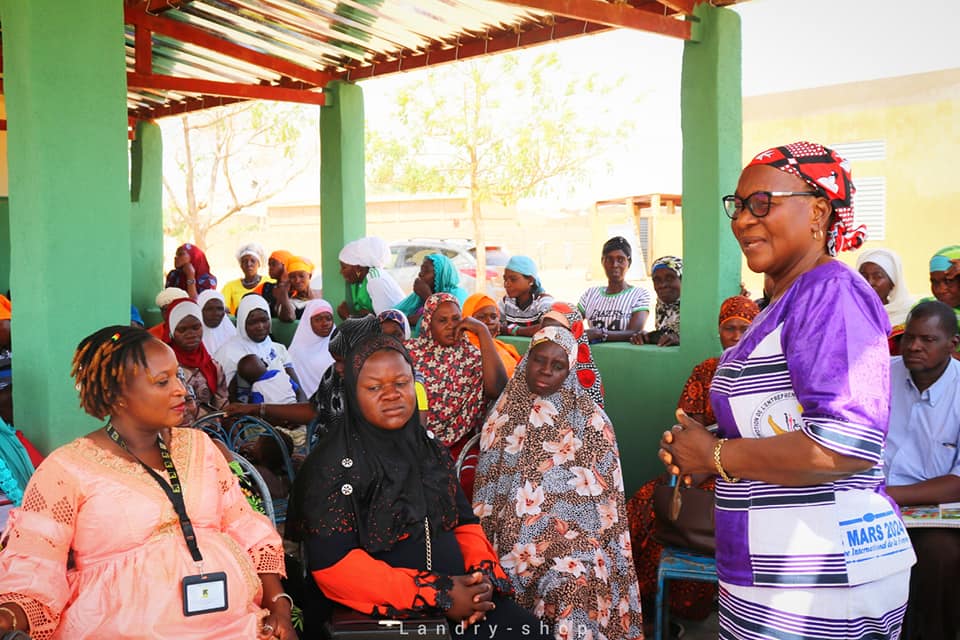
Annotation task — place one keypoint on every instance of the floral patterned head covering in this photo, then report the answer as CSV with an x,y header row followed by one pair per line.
x,y
740,307
829,174
430,307
559,336
588,374
673,263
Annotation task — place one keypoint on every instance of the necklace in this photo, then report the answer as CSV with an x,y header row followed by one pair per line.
x,y
249,284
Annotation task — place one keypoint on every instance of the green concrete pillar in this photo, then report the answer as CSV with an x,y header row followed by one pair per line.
x,y
644,383
711,121
65,90
4,245
343,207
146,218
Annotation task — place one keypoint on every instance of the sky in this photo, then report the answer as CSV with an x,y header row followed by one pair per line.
x,y
787,45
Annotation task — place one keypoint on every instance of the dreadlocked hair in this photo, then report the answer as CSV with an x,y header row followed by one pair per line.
x,y
102,363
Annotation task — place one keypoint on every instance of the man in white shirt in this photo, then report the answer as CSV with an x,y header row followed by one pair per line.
x,y
921,460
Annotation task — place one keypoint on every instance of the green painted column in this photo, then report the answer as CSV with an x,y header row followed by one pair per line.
x,y
712,125
4,245
343,214
65,91
146,218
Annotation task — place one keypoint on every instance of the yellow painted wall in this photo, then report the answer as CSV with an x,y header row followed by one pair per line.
x,y
919,117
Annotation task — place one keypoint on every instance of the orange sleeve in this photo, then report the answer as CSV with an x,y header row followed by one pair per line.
x,y
384,590
478,555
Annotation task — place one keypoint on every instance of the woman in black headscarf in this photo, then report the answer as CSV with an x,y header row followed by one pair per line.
x,y
386,526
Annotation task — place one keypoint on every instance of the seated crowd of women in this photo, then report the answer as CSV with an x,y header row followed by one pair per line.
x,y
139,529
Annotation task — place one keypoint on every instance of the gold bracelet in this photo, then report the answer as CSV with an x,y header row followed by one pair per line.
x,y
716,461
13,617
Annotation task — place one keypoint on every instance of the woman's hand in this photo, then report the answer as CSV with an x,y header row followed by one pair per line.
x,y
189,270
595,335
668,339
640,337
278,623
282,290
472,597
343,310
422,289
472,325
687,448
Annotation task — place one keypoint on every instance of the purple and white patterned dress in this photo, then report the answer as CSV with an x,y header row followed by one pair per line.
x,y
824,561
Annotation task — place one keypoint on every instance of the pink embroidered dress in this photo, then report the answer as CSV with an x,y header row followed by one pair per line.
x,y
123,577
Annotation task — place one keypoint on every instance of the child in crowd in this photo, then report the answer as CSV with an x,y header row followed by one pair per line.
x,y
271,386
525,301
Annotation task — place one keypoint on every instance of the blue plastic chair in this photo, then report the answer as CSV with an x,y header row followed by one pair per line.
x,y
214,427
679,564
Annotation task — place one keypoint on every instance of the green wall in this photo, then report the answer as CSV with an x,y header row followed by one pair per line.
x,y
343,213
4,244
65,93
146,219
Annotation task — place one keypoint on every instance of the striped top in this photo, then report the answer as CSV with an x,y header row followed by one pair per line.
x,y
816,361
528,317
612,311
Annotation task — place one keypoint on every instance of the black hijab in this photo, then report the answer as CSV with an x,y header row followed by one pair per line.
x,y
374,482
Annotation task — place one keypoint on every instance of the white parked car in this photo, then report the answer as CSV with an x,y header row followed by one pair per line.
x,y
407,256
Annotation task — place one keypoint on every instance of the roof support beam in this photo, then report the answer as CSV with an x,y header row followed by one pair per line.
x,y
680,6
143,49
227,89
474,47
192,35
611,15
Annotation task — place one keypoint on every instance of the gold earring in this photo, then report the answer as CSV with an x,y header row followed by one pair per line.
x,y
817,234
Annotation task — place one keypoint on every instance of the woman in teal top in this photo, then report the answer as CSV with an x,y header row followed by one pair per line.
x,y
437,275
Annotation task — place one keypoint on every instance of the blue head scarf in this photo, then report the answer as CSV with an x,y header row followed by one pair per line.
x,y
525,266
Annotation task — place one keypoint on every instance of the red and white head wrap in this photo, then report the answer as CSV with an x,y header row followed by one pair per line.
x,y
824,170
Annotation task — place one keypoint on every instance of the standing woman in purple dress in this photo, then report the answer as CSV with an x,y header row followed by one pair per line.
x,y
811,544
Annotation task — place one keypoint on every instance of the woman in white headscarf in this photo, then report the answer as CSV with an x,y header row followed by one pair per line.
x,y
882,269
250,256
370,289
253,337
309,348
217,326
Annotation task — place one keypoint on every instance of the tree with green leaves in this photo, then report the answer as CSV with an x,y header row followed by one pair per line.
x,y
229,159
498,129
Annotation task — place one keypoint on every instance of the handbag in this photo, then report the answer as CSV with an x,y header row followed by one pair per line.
x,y
684,518
348,624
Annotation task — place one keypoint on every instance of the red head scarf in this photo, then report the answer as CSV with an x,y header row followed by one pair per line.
x,y
199,358
201,267
740,307
828,173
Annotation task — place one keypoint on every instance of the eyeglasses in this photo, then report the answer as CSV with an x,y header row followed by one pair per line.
x,y
758,202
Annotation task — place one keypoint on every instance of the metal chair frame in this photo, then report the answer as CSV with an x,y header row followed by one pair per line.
x,y
260,483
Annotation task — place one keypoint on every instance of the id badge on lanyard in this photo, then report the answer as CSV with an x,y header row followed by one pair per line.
x,y
202,592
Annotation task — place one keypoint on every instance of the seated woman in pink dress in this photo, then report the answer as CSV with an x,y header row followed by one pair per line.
x,y
98,550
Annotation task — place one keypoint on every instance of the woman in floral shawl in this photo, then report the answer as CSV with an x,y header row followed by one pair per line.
x,y
459,378
549,494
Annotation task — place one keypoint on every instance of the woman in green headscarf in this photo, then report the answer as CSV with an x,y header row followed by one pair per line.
x,y
945,278
15,471
437,275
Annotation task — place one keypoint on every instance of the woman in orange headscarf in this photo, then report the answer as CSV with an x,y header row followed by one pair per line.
x,y
484,308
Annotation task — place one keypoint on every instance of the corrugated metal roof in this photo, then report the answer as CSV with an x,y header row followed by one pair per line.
x,y
207,52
